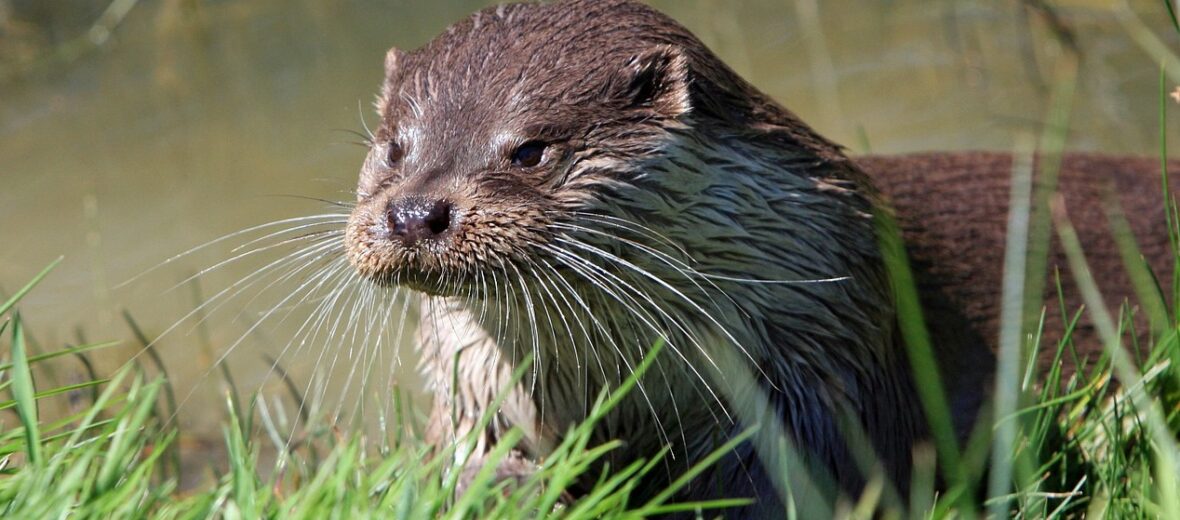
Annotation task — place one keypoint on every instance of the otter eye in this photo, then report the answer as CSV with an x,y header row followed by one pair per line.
x,y
529,154
393,154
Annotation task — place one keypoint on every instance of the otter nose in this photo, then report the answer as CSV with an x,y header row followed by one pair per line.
x,y
415,219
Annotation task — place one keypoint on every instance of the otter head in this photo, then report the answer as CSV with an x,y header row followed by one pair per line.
x,y
506,131
500,129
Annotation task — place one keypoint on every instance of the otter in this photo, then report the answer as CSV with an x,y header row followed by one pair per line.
x,y
571,183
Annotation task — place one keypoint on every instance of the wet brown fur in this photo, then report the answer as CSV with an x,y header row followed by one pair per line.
x,y
953,211
628,101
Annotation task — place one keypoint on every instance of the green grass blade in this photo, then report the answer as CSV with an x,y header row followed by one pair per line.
x,y
28,286
51,392
1008,361
241,467
63,352
1172,14
657,502
23,392
931,391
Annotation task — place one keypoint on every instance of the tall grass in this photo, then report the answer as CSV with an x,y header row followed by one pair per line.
x,y
109,461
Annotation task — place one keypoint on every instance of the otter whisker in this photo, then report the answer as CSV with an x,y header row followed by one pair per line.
x,y
481,295
380,313
589,338
531,324
369,307
398,333
366,140
546,284
341,204
634,227
333,331
626,360
609,287
610,284
322,252
351,328
503,295
302,336
721,328
334,230
601,328
216,300
223,238
531,305
361,115
661,326
622,284
342,286
325,235
335,278
228,350
545,281
606,281
775,282
330,275
627,324
680,267
312,284
297,258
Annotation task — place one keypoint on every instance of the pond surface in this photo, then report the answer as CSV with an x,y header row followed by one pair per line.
x,y
196,119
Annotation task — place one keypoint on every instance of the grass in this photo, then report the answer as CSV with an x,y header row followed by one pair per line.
x,y
1100,443
111,460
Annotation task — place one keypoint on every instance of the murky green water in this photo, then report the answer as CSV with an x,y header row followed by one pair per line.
x,y
200,118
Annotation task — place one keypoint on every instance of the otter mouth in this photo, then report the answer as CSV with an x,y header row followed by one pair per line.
x,y
426,268
433,284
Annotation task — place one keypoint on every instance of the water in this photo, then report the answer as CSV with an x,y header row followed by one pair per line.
x,y
200,118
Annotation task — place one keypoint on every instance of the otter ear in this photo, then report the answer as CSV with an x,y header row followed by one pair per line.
x,y
658,79
392,60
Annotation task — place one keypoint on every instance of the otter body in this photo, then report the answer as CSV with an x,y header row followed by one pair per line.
x,y
572,183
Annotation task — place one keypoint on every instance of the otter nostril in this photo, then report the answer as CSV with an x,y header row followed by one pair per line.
x,y
414,219
439,218
396,224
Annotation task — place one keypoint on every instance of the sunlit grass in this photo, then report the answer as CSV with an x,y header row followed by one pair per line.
x,y
109,460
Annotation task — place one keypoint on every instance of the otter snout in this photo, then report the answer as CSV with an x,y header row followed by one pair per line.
x,y
414,219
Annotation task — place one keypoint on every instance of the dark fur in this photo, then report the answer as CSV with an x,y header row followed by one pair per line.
x,y
953,210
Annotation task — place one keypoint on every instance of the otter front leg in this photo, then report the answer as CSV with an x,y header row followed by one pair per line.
x,y
466,372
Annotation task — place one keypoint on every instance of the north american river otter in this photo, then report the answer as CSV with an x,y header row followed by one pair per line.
x,y
579,180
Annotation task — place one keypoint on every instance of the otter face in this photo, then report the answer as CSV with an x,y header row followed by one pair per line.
x,y
492,140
